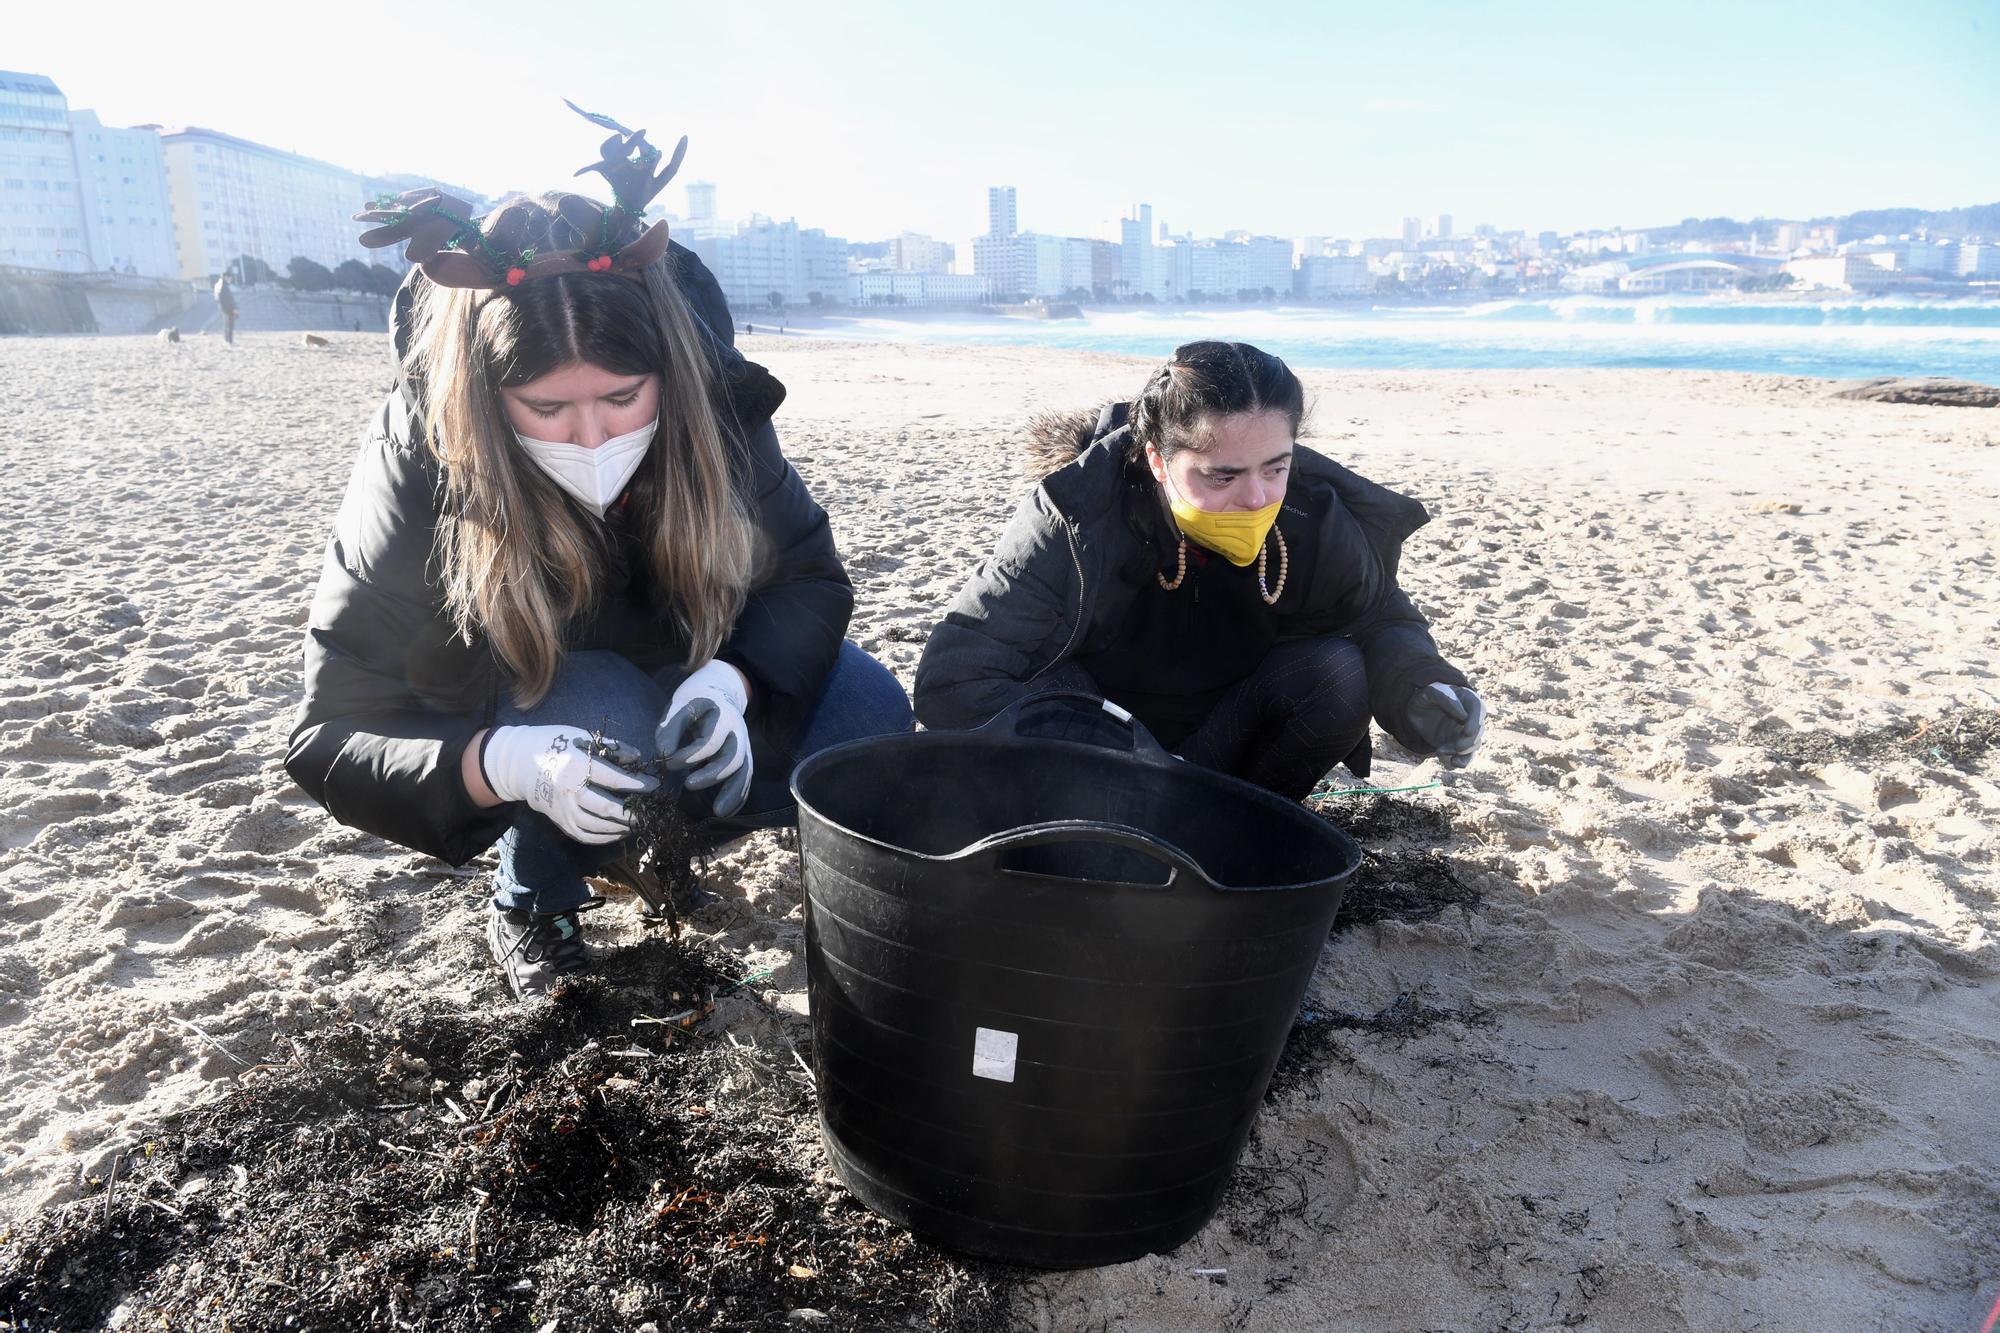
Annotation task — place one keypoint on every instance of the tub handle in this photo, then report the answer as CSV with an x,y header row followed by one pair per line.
x,y
1141,745
1090,830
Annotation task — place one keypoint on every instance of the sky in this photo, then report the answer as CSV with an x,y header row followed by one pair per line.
x,y
1285,118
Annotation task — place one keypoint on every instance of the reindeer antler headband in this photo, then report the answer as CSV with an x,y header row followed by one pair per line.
x,y
456,249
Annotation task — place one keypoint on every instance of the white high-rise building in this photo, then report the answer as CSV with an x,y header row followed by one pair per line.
x,y
996,261
1441,227
1413,232
1136,253
1002,219
701,201
802,266
41,201
232,197
122,176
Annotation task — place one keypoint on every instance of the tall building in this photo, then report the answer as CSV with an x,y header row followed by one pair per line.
x,y
804,266
233,197
122,179
1441,227
1001,217
701,201
41,200
1135,239
1413,232
996,261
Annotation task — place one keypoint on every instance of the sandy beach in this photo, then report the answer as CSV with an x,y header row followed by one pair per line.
x,y
1717,1046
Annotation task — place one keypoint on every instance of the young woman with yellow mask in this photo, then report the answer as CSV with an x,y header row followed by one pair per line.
x,y
1186,559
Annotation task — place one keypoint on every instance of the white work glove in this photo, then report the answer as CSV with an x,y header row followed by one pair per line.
x,y
704,732
556,771
1451,719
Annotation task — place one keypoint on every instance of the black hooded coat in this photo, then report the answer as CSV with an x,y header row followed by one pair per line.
x,y
392,695
1062,583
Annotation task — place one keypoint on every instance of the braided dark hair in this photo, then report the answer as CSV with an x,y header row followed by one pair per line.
x,y
1203,380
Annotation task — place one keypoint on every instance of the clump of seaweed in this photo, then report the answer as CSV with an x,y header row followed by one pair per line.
x,y
1402,876
596,1159
1960,738
1313,1041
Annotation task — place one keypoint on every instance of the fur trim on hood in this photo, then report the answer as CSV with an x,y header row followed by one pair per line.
x,y
1055,439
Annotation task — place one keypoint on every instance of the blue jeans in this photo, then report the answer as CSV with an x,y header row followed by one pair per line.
x,y
541,870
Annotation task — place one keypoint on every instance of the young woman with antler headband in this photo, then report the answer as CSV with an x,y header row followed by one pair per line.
x,y
1186,559
570,543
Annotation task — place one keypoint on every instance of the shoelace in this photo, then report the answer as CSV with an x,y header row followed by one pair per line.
x,y
556,939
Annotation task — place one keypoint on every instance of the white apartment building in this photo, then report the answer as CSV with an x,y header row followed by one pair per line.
x,y
41,201
1137,260
1268,264
803,266
1979,261
914,289
1223,269
1935,257
122,177
996,261
1853,271
1002,216
1029,264
232,197
1320,277
913,252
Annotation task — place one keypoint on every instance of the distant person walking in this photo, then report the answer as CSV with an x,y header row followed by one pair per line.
x,y
225,301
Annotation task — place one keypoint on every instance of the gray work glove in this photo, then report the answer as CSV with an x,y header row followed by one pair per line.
x,y
1451,719
705,733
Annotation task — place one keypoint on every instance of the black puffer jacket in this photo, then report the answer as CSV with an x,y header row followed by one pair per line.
x,y
1077,551
392,696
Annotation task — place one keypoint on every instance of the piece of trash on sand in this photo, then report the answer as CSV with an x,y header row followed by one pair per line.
x,y
1216,1275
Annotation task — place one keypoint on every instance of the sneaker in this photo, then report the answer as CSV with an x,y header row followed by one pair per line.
x,y
537,949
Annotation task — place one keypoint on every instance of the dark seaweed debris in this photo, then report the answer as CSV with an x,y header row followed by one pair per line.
x,y
663,861
1313,1041
455,1171
1960,738
1402,876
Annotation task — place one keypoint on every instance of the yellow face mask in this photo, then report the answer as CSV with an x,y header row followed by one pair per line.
x,y
1234,534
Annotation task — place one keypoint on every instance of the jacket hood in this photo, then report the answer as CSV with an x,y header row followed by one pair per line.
x,y
1057,439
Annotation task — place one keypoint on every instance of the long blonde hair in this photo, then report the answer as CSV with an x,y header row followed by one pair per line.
x,y
519,560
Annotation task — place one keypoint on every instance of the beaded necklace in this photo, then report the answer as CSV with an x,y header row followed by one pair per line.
x,y
1270,595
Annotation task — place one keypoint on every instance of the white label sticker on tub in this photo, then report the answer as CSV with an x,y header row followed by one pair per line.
x,y
993,1054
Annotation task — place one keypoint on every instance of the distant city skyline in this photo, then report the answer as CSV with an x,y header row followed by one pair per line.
x,y
1292,120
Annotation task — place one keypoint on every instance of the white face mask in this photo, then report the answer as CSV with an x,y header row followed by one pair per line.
x,y
597,476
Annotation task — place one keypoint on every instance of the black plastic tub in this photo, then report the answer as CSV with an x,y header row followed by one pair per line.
x,y
1049,979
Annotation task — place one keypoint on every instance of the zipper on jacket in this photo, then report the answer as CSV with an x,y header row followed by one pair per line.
x,y
1076,562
